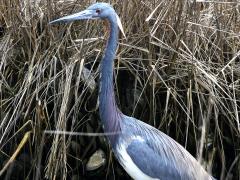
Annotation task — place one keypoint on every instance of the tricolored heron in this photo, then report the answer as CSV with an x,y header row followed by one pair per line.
x,y
142,150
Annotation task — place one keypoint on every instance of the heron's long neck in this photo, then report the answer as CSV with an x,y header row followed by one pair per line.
x,y
108,109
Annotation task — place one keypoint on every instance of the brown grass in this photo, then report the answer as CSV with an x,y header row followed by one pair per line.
x,y
178,71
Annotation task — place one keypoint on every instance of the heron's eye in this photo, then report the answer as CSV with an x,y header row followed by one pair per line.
x,y
98,11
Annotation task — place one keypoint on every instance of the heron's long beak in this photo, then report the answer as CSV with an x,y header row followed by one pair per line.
x,y
86,14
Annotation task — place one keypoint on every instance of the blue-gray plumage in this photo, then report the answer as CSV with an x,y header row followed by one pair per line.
x,y
142,150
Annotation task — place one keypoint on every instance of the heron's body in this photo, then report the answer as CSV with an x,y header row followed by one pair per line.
x,y
154,153
143,151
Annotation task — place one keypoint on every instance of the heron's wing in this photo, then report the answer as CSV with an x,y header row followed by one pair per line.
x,y
168,154
150,162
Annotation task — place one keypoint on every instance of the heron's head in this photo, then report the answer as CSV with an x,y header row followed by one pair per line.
x,y
96,11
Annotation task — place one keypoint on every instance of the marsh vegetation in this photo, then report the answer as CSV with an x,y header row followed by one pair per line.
x,y
178,70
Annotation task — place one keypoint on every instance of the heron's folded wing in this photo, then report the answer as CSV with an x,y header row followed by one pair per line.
x,y
150,162
162,152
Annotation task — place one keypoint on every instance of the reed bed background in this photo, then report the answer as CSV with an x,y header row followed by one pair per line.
x,y
178,70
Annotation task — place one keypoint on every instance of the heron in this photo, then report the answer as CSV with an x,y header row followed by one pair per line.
x,y
143,151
